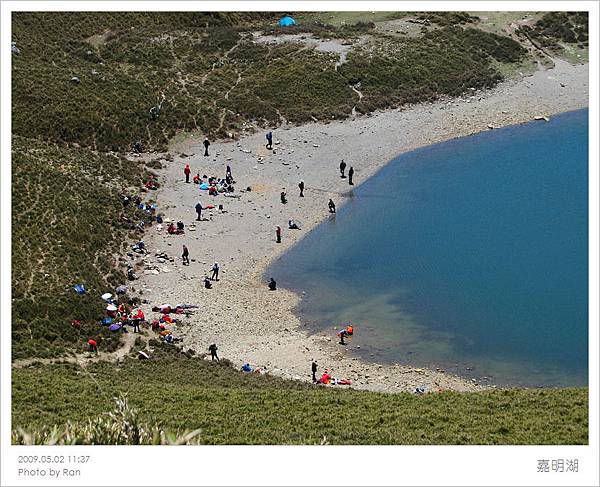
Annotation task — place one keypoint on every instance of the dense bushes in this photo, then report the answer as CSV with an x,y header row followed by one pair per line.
x,y
205,74
446,61
555,27
66,226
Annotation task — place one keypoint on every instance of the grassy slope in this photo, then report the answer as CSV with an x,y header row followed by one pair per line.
x,y
212,78
230,407
66,228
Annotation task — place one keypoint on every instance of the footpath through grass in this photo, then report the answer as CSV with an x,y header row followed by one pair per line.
x,y
179,392
206,73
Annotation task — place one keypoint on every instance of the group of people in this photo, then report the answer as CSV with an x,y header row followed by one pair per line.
x,y
175,229
326,377
350,172
215,186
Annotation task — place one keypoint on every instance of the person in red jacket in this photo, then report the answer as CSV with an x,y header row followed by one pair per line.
x,y
187,172
93,345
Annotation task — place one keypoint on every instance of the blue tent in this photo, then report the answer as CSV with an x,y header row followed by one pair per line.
x,y
286,21
79,288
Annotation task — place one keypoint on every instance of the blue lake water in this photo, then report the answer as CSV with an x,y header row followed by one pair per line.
x,y
470,255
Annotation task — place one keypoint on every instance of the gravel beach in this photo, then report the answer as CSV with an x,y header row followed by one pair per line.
x,y
248,322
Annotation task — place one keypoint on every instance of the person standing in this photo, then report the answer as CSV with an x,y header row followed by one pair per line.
x,y
283,198
269,138
228,173
135,323
342,169
331,206
93,345
314,371
213,352
215,272
206,144
350,174
278,234
185,256
187,172
301,186
199,211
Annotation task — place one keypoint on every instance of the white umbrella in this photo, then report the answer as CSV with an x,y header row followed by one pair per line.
x,y
106,296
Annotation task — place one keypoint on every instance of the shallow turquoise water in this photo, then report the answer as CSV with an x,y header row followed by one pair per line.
x,y
469,255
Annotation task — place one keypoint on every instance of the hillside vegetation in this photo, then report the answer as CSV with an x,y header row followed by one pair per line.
x,y
206,73
559,27
68,221
177,392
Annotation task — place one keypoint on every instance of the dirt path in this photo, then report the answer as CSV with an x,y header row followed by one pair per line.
x,y
84,359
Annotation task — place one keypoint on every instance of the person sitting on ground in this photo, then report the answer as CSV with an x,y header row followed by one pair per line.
x,y
207,283
167,319
331,206
169,338
197,178
213,352
130,274
212,190
163,308
121,310
171,230
180,227
272,285
247,367
139,247
325,378
283,198
293,225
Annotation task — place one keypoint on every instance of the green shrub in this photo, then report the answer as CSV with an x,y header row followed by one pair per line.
x,y
122,426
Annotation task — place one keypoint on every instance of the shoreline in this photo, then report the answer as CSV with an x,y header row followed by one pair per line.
x,y
248,322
